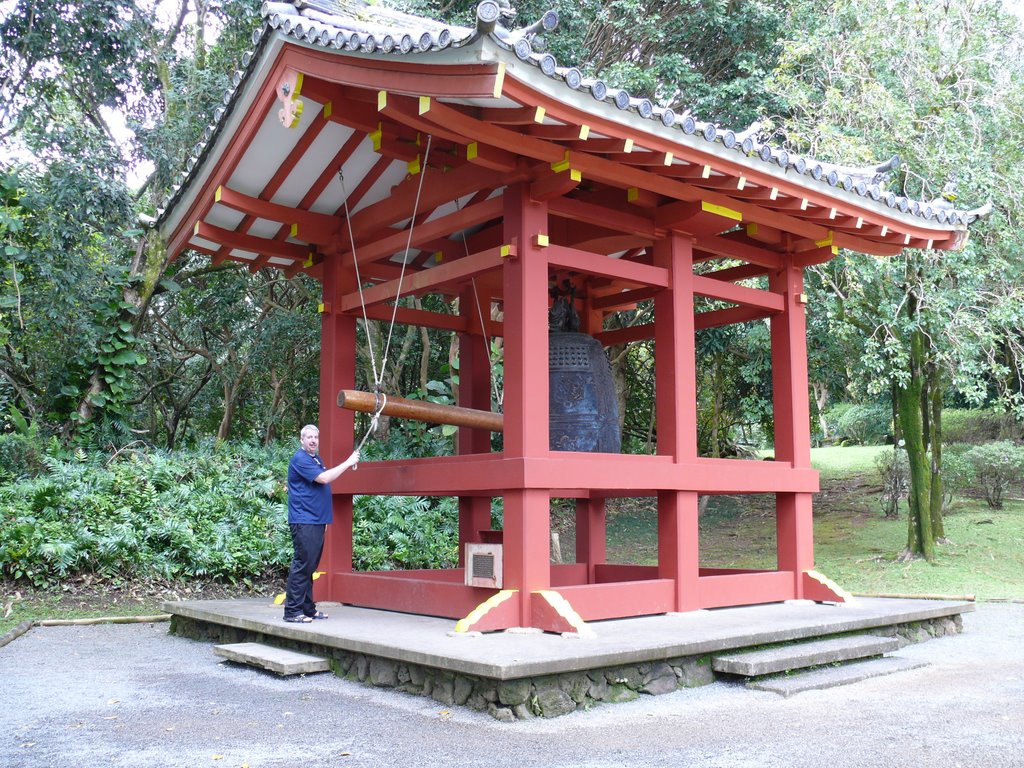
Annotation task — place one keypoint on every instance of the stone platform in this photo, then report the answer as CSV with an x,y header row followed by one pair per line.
x,y
521,674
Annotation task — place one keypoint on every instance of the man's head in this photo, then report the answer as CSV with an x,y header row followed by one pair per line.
x,y
309,437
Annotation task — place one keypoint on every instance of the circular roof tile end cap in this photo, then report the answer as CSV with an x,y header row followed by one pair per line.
x,y
689,125
782,158
645,108
817,171
875,191
622,99
426,42
668,117
523,48
765,153
573,78
599,90
487,16
890,199
801,165
729,139
548,65
847,182
710,132
405,45
832,178
549,20
747,145
444,39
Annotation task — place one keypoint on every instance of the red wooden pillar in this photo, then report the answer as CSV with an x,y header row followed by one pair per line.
x,y
337,372
676,404
794,532
591,518
474,392
591,536
527,554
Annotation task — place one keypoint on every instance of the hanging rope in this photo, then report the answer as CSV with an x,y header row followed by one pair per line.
x,y
378,376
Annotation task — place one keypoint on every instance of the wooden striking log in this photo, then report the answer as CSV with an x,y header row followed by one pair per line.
x,y
421,410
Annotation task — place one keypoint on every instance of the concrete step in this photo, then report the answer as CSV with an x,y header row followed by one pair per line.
x,y
783,658
831,677
278,660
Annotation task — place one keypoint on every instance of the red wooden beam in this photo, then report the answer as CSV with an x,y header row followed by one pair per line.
x,y
423,281
737,294
718,317
307,225
590,263
259,245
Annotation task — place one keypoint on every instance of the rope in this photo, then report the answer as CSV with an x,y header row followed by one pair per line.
x,y
378,376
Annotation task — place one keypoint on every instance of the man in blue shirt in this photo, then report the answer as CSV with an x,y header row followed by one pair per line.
x,y
310,510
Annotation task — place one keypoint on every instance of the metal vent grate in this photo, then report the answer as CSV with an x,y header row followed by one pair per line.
x,y
483,565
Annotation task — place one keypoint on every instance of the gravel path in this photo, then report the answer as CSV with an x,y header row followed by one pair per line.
x,y
133,695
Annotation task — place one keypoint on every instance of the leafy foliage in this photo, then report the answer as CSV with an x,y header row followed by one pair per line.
x,y
997,466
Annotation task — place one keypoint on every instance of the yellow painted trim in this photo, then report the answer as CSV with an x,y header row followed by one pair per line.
x,y
835,250
832,213
541,240
774,194
538,116
885,231
860,222
561,165
575,174
752,228
802,298
826,241
299,106
721,210
823,579
216,195
195,228
298,85
906,239
413,166
328,110
804,203
320,310
382,100
309,261
628,146
375,137
472,150
499,80
424,106
564,609
438,257
294,231
706,173
632,194
741,182
930,243
463,625
668,158
506,251
584,132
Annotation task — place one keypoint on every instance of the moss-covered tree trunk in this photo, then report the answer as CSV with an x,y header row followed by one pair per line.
x,y
935,410
920,536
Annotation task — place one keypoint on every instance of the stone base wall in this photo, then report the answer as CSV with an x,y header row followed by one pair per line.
x,y
523,698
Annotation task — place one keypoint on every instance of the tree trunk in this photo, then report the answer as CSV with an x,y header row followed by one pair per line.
x,y
935,405
820,401
920,537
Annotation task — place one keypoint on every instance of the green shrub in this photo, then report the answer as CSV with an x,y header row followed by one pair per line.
x,y
894,469
997,466
957,473
217,512
865,425
977,427
20,457
833,415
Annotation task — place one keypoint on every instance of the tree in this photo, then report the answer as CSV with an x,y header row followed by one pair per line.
x,y
942,87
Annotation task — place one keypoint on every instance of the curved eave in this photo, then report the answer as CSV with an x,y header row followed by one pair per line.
x,y
502,113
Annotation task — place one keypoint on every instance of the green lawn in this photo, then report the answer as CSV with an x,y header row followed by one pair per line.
x,y
854,545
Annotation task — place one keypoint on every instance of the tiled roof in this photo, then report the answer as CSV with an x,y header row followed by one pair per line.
x,y
358,27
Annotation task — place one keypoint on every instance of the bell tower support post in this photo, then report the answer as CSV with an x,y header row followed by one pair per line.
x,y
525,276
795,536
337,372
474,392
676,404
